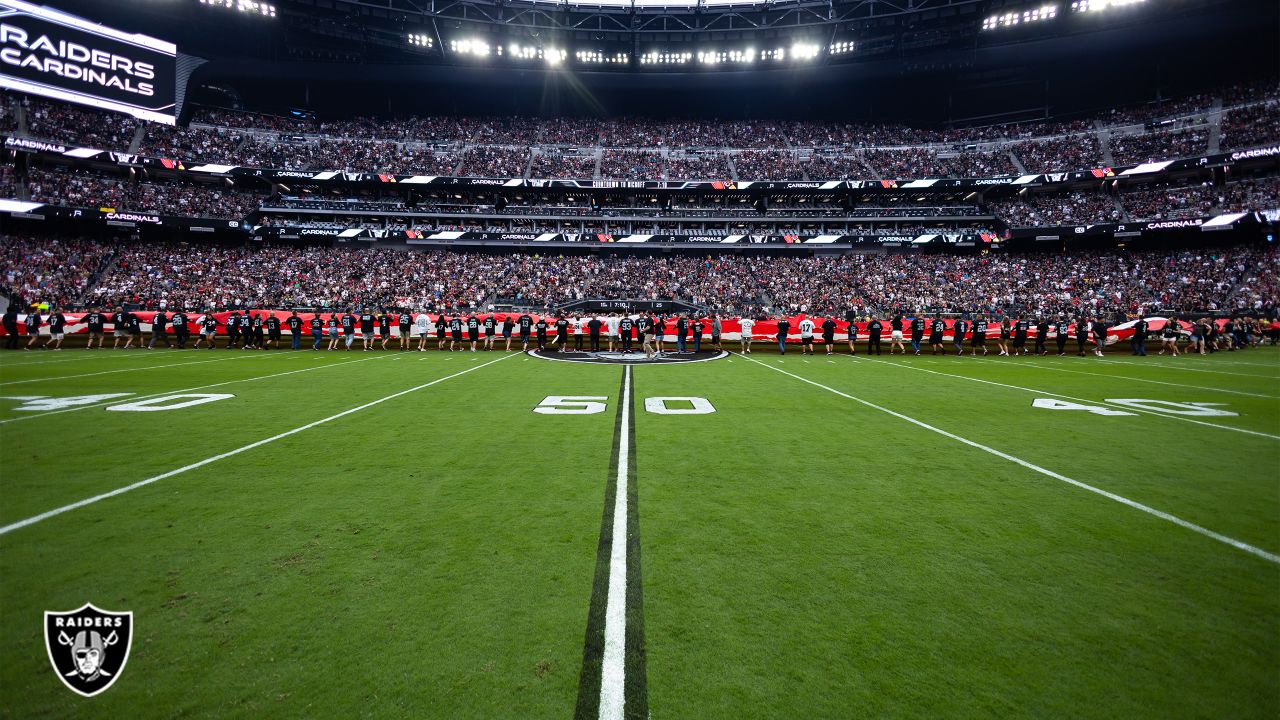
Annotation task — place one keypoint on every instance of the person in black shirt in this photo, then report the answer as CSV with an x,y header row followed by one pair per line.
x,y
208,330
1042,333
490,329
624,332
367,321
1062,330
384,328
273,331
1082,334
659,333
917,332
936,330
1169,337
178,322
895,334
256,326
57,328
246,330
348,323
784,328
33,328
1139,341
508,324
233,330
829,334
96,322
979,339
159,330
578,325
120,327
959,330
695,324
874,330
562,333
442,330
455,333
294,323
1020,330
10,324
541,327
682,325
853,332
135,330
316,324
593,330
1099,332
473,330
643,326
526,324
1006,329
405,322
333,330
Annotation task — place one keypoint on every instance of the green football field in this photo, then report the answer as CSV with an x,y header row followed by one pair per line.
x,y
393,534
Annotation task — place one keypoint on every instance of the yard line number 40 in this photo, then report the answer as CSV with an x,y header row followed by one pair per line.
x,y
592,404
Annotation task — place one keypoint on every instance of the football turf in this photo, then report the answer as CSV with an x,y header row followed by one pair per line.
x,y
399,534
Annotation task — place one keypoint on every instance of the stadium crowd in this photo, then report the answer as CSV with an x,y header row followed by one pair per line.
x,y
165,198
195,276
898,151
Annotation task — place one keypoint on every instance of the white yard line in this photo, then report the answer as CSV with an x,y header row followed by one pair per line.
x,y
1040,366
230,453
77,355
613,662
1128,408
136,398
1255,551
130,369
1170,366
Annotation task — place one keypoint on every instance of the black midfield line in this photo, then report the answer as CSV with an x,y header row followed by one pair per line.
x,y
588,707
636,690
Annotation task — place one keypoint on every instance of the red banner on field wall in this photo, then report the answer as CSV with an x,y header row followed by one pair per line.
x,y
731,328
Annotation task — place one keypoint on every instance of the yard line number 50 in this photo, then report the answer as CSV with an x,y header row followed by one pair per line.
x,y
592,404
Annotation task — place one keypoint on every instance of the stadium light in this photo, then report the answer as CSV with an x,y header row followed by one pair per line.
x,y
840,48
597,57
654,57
1013,19
478,48
714,57
804,51
1098,5
418,40
775,54
249,7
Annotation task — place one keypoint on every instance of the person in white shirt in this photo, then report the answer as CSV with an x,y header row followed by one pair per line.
x,y
422,326
746,324
611,328
806,336
576,325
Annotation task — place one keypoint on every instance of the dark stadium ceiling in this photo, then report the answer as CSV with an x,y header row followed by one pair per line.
x,y
925,61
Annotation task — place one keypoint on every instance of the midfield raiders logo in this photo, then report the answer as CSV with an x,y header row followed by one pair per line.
x,y
88,647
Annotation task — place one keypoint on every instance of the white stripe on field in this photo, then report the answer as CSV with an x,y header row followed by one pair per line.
x,y
1258,552
1169,366
222,456
613,663
136,398
1040,366
77,355
1128,408
123,370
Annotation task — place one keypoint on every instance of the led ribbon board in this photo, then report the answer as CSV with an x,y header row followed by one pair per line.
x,y
50,53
